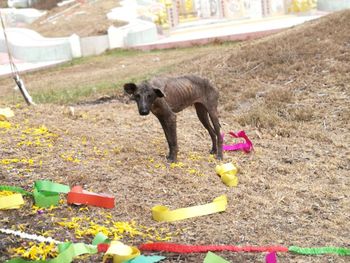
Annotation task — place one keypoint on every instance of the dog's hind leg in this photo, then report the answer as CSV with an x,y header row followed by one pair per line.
x,y
202,114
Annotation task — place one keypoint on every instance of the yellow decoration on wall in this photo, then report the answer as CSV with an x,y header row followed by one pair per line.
x,y
302,5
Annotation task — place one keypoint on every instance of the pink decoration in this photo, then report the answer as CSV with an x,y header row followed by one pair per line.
x,y
247,146
271,258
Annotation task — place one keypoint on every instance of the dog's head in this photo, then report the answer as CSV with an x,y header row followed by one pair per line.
x,y
144,95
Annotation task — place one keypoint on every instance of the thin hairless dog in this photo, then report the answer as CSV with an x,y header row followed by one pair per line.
x,y
164,97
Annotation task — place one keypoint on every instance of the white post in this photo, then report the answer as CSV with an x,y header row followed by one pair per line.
x,y
116,37
23,90
75,46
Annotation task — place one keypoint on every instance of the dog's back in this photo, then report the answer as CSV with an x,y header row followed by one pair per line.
x,y
183,91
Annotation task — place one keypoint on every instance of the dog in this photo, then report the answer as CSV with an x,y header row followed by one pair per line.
x,y
165,97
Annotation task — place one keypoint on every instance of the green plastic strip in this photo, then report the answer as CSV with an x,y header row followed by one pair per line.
x,y
46,193
73,251
212,258
14,189
100,238
146,259
63,246
341,251
44,199
51,187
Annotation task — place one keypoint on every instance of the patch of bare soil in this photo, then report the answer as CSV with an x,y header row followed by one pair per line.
x,y
84,18
289,92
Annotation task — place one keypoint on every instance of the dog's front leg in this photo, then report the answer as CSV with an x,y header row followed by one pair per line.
x,y
168,123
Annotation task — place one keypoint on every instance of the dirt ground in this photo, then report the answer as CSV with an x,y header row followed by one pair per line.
x,y
84,18
289,92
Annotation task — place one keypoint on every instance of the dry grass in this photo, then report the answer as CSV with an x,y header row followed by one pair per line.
x,y
293,189
259,116
302,113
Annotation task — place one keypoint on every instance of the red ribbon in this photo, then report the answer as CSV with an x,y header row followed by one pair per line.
x,y
178,248
79,196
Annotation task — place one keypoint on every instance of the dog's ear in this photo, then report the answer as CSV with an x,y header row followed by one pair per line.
x,y
159,93
130,88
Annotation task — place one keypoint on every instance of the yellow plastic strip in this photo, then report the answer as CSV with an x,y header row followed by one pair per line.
x,y
11,201
228,173
162,213
120,252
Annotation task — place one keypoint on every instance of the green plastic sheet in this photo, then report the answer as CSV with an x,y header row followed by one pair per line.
x,y
100,238
146,259
63,246
212,258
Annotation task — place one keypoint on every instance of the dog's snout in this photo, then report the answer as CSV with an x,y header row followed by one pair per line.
x,y
144,112
143,106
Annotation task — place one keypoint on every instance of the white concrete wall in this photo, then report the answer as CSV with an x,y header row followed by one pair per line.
x,y
333,5
255,9
29,46
94,45
14,16
135,33
116,36
140,32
